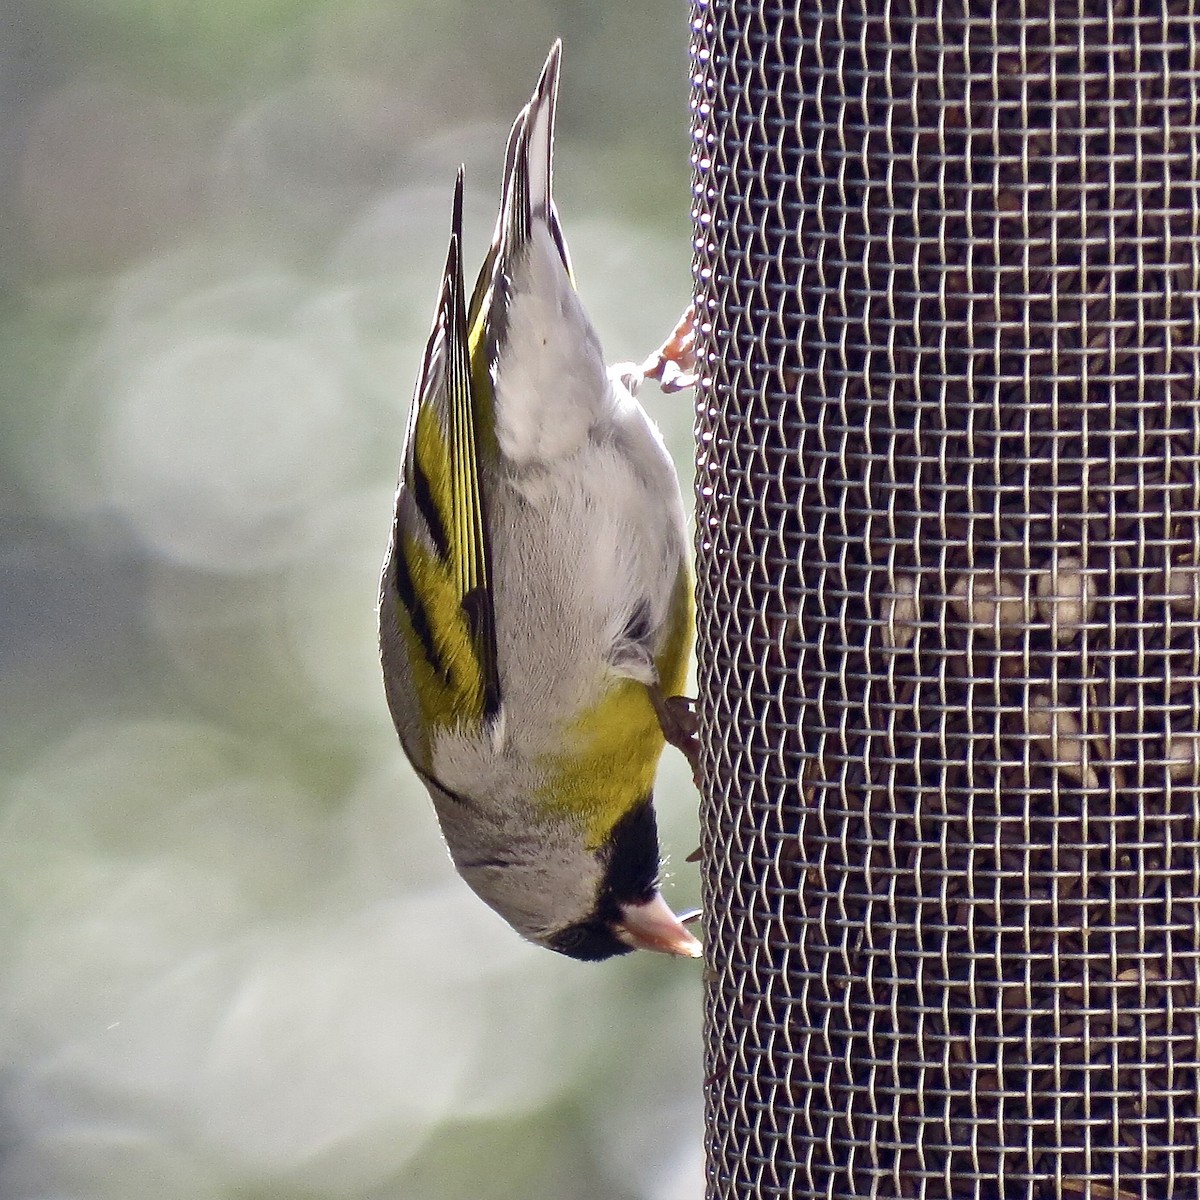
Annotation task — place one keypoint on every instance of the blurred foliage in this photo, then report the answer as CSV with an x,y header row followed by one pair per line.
x,y
235,961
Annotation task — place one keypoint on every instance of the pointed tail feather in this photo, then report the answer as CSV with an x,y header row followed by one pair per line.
x,y
483,283
539,125
527,195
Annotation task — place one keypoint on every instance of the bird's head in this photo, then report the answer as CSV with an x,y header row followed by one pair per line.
x,y
589,903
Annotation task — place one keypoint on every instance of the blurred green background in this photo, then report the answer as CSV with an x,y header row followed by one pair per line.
x,y
235,961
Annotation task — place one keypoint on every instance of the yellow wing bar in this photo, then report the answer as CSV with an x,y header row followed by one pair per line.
x,y
443,568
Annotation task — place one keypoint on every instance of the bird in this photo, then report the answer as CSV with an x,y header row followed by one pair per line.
x,y
535,611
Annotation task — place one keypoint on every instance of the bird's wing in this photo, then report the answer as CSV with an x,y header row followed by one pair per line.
x,y
442,558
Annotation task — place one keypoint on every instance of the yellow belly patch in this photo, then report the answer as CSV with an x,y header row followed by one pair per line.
x,y
614,748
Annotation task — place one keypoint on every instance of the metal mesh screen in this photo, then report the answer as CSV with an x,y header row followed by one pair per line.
x,y
947,262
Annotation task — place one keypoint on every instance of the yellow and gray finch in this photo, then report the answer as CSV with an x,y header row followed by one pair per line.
x,y
536,613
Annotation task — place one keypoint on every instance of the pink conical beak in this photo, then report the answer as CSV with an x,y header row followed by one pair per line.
x,y
653,926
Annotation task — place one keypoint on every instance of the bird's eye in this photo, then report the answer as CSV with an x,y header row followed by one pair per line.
x,y
570,938
590,941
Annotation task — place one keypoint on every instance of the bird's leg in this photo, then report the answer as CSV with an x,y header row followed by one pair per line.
x,y
673,364
677,719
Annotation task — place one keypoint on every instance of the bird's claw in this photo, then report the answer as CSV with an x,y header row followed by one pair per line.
x,y
680,725
673,364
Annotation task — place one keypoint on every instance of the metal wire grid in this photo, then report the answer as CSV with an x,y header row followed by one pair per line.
x,y
947,263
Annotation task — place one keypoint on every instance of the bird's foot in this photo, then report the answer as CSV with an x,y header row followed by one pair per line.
x,y
673,364
678,721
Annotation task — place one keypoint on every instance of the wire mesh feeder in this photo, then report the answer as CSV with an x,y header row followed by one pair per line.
x,y
948,258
